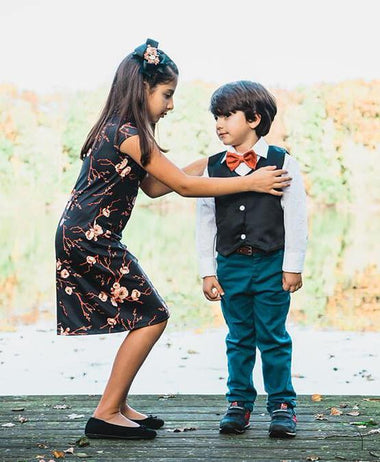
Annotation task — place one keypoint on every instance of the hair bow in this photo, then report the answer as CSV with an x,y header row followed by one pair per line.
x,y
152,57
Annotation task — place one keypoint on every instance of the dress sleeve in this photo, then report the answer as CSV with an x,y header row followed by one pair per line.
x,y
125,131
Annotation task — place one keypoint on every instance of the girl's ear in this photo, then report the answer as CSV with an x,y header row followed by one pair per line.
x,y
253,123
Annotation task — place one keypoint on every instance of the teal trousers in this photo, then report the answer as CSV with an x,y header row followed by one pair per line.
x,y
255,308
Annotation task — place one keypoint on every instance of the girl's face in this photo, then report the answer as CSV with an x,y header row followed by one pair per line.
x,y
235,130
160,100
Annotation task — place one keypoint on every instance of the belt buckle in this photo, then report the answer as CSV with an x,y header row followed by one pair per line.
x,y
245,250
249,250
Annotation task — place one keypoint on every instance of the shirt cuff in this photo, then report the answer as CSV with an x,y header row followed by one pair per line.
x,y
207,267
293,262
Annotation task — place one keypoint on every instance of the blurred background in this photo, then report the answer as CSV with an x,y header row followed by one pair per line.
x,y
320,61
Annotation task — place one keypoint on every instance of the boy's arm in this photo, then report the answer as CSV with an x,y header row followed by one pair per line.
x,y
293,203
205,243
205,235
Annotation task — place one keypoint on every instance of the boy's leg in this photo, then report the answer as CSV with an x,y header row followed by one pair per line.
x,y
233,274
271,306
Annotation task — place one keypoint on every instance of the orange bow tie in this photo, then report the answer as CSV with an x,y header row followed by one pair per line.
x,y
233,160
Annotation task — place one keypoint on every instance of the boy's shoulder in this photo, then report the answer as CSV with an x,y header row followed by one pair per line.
x,y
215,157
277,149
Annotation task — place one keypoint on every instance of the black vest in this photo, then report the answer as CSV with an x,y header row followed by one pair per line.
x,y
248,218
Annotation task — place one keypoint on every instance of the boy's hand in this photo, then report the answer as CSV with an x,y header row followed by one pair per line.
x,y
212,289
291,281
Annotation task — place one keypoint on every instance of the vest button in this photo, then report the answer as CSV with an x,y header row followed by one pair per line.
x,y
243,236
242,208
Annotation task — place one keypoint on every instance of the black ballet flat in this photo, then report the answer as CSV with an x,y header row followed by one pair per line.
x,y
152,421
96,428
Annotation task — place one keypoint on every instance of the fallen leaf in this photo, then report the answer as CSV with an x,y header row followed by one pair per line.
x,y
61,406
9,424
75,416
82,454
374,454
316,398
167,396
42,445
343,405
371,399
69,451
371,432
22,419
298,376
320,417
18,409
335,411
340,458
185,429
82,442
353,413
366,423
58,454
312,458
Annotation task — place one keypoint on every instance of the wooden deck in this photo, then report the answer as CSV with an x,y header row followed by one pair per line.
x,y
43,427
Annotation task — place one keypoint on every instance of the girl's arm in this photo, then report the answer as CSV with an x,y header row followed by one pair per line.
x,y
263,180
155,188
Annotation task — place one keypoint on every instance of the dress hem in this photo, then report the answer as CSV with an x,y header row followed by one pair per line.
x,y
113,330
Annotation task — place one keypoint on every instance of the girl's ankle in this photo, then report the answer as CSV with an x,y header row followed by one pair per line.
x,y
104,414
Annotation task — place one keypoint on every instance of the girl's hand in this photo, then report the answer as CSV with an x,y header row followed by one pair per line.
x,y
212,289
291,281
268,180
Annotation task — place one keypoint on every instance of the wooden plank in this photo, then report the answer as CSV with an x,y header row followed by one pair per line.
x,y
331,439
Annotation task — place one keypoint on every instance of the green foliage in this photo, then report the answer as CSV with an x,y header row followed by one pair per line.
x,y
311,135
189,132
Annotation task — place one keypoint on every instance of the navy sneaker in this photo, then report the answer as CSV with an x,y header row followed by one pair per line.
x,y
236,419
283,421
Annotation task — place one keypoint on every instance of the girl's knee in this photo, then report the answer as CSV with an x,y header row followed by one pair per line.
x,y
162,325
159,327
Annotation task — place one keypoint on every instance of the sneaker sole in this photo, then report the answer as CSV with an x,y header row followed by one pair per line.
x,y
281,434
234,430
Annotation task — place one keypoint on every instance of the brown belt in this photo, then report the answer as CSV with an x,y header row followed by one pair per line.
x,y
247,250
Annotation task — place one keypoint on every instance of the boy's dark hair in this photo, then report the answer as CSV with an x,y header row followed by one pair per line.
x,y
250,97
127,99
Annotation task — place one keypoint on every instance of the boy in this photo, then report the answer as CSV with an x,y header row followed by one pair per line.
x,y
260,242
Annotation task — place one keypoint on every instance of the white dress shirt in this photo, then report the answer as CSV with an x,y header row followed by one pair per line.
x,y
293,202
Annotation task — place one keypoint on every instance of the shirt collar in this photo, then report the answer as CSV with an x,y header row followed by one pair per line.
x,y
260,148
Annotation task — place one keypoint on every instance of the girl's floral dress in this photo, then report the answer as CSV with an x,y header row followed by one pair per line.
x,y
101,288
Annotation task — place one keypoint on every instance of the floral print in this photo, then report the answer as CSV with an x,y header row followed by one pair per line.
x,y
101,287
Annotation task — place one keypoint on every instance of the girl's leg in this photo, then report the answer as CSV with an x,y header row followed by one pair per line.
x,y
131,355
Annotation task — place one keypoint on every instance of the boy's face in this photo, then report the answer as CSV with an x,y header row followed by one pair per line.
x,y
235,130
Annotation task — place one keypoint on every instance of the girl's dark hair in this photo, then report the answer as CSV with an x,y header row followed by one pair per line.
x,y
250,97
127,100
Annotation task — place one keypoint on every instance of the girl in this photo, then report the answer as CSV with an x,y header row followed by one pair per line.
x,y
100,286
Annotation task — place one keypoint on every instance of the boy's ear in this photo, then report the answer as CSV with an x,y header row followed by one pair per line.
x,y
253,123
